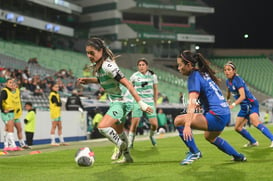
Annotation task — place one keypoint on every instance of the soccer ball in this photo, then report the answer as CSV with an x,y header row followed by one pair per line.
x,y
84,157
161,131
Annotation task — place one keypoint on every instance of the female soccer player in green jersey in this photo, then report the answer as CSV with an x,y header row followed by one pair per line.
x,y
109,76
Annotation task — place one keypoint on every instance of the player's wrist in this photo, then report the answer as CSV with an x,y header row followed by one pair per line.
x,y
233,104
142,105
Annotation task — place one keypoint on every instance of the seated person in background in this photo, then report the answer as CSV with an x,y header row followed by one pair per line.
x,y
73,102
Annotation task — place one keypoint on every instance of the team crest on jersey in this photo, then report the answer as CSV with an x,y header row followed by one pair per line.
x,y
233,87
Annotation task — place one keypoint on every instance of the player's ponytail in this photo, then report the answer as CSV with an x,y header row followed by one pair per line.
x,y
197,58
204,67
99,44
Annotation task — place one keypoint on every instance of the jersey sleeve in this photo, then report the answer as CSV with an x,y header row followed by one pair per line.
x,y
194,82
112,69
155,79
238,82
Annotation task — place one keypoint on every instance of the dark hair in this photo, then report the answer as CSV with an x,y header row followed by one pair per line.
x,y
203,64
99,44
231,64
28,103
146,62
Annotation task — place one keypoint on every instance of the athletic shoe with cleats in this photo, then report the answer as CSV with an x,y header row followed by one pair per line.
x,y
240,158
152,138
191,157
252,144
116,154
55,144
271,146
7,149
26,147
17,148
125,160
64,144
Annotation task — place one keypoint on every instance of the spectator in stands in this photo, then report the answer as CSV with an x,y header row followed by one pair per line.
x,y
99,93
30,123
165,99
74,102
181,98
249,105
55,104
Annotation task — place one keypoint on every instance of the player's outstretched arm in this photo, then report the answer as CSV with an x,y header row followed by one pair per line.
x,y
144,107
85,80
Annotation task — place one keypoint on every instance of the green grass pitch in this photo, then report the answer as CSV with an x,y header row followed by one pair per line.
x,y
160,163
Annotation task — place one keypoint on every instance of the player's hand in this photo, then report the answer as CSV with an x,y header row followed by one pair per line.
x,y
145,107
82,80
187,133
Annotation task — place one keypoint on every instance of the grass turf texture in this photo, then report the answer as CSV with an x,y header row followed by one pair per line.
x,y
160,163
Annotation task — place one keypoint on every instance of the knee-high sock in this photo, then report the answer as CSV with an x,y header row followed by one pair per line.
x,y
265,131
111,134
131,138
6,142
247,135
224,146
124,138
190,143
10,138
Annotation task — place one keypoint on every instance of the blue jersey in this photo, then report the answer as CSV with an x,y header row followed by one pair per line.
x,y
234,85
210,95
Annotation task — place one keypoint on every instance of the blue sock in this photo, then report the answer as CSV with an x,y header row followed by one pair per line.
x,y
247,136
225,147
190,144
265,131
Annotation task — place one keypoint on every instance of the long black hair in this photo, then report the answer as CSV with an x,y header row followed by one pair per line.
x,y
203,64
99,44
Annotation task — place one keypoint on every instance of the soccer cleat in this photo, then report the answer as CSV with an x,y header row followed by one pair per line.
x,y
116,154
152,138
127,158
54,144
17,148
271,146
191,157
7,149
64,144
252,144
240,158
26,147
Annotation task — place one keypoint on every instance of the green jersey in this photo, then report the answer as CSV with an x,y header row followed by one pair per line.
x,y
107,76
144,85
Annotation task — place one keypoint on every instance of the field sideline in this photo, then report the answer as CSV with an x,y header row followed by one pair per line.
x,y
160,163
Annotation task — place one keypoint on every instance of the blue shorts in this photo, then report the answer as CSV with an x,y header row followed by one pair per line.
x,y
217,122
247,110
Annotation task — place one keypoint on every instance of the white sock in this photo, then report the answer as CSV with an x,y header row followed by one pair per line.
x,y
10,139
131,138
22,142
111,134
52,139
152,133
6,143
61,138
124,138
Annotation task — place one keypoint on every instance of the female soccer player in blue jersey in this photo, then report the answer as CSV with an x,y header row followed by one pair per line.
x,y
202,85
109,76
248,103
